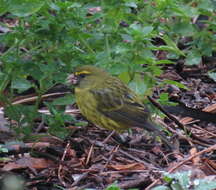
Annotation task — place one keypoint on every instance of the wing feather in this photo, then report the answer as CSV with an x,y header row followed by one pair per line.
x,y
119,103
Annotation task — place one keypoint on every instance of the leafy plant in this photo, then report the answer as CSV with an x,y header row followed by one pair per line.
x,y
44,40
182,181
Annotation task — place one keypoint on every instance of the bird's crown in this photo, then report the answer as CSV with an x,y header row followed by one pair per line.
x,y
88,70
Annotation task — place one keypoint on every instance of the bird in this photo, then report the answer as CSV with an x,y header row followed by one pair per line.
x,y
107,102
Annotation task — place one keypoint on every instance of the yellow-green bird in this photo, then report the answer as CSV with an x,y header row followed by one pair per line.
x,y
109,103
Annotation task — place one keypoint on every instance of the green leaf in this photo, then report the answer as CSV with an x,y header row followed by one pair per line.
x,y
161,188
138,85
176,186
66,100
33,70
2,80
125,77
3,6
4,150
113,187
117,69
185,11
178,84
212,75
147,30
126,38
81,123
206,5
23,8
164,62
21,113
167,178
21,84
45,83
131,4
139,31
54,6
75,5
164,97
121,49
184,28
171,44
204,184
183,179
193,58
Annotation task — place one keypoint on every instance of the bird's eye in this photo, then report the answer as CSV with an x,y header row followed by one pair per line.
x,y
82,75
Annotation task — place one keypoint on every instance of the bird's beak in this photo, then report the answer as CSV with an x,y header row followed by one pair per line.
x,y
72,79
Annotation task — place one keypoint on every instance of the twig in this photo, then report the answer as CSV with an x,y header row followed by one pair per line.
x,y
82,176
100,144
140,152
108,137
123,171
87,185
89,154
20,148
115,149
61,166
153,184
137,159
213,147
134,183
40,126
33,98
205,131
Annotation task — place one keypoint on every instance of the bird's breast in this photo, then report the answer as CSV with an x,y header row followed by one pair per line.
x,y
86,102
88,106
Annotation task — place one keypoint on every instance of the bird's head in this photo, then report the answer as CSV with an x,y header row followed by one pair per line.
x,y
86,76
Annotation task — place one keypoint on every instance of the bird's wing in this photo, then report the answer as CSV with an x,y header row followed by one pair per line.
x,y
121,104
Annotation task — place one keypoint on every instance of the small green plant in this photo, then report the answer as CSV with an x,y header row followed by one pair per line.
x,y
182,181
113,187
2,149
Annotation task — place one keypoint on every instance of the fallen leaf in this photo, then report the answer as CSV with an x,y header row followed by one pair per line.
x,y
186,120
211,108
28,162
134,166
195,160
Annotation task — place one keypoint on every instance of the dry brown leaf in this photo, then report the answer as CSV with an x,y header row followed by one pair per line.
x,y
211,108
134,166
195,160
25,162
186,120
